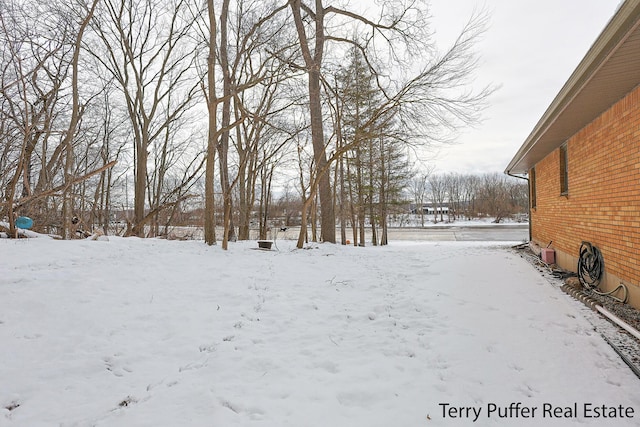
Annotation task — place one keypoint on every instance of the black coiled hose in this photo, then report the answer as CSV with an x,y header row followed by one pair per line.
x,y
590,270
590,266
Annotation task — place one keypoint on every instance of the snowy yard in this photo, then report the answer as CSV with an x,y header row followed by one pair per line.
x,y
135,332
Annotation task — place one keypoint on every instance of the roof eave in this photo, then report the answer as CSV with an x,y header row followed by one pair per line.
x,y
536,146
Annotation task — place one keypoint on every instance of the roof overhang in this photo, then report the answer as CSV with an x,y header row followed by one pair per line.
x,y
609,71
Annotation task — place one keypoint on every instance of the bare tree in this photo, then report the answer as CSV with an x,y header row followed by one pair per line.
x,y
313,57
212,106
76,113
36,89
147,49
419,186
518,196
454,192
470,184
33,73
429,105
438,195
340,179
306,175
223,143
493,196
251,62
237,52
260,144
111,148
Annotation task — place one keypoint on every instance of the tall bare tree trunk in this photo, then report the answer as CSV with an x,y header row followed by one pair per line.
x,y
314,219
352,209
303,224
73,127
313,62
370,195
343,200
361,199
327,215
223,146
384,181
339,174
209,201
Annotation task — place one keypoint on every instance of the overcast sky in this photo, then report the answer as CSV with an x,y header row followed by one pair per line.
x,y
530,49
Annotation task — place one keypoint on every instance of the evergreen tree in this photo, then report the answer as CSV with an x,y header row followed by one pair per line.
x,y
375,167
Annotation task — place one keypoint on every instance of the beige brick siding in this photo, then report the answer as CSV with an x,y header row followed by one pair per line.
x,y
603,202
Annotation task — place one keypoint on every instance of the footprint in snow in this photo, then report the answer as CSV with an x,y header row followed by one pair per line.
x,y
516,368
527,390
253,412
328,366
113,365
613,382
207,348
32,336
192,366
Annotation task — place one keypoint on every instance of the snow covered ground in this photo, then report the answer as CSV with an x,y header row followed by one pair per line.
x,y
133,332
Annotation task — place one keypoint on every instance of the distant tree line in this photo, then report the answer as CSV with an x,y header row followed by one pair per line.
x,y
410,198
455,196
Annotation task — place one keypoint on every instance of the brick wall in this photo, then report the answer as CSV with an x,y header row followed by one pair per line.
x,y
603,202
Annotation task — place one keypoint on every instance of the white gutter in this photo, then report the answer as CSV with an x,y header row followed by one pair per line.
x,y
618,321
577,294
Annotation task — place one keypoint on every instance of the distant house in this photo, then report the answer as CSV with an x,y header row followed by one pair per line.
x,y
582,159
430,209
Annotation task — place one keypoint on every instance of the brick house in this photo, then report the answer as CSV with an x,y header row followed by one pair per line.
x,y
582,159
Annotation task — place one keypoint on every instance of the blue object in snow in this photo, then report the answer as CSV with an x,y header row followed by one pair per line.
x,y
24,222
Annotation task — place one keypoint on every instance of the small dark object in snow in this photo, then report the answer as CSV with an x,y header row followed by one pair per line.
x,y
265,244
126,402
12,406
284,228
